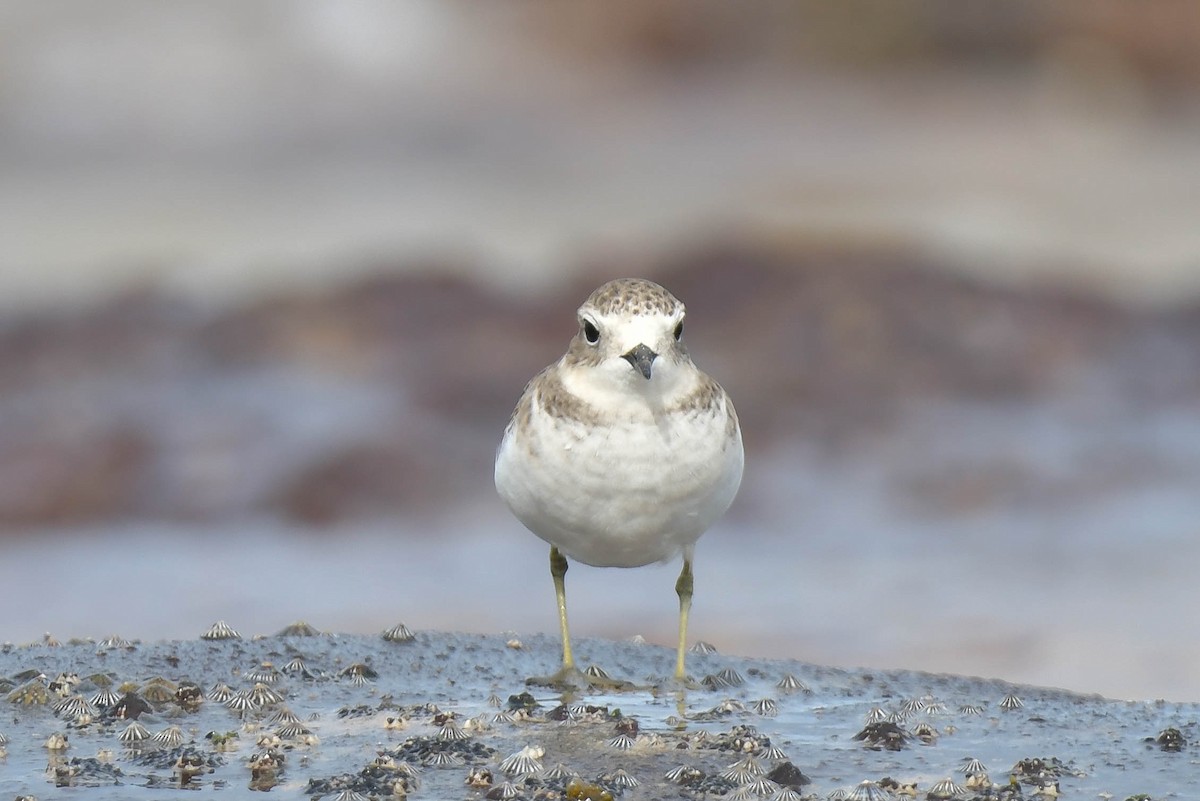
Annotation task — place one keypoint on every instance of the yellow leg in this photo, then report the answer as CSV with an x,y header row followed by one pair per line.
x,y
558,570
683,587
569,677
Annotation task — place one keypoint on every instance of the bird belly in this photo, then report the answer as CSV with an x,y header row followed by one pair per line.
x,y
623,494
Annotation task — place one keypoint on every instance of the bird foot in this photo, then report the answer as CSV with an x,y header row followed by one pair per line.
x,y
572,678
677,684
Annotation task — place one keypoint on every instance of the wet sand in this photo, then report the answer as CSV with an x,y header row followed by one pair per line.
x,y
459,700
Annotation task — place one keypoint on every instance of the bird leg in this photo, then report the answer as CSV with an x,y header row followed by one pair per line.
x,y
568,676
683,587
558,571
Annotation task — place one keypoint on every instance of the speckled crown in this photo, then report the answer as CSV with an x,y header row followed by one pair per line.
x,y
632,296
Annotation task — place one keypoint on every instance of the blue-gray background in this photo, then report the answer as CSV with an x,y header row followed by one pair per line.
x,y
272,276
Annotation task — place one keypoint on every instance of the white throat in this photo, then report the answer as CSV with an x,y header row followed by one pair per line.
x,y
617,386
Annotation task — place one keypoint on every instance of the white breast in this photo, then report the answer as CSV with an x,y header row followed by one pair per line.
x,y
622,494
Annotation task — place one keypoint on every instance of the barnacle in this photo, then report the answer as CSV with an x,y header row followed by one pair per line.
x,y
298,629
790,684
683,774
761,787
171,737
297,666
727,706
766,707
451,731
945,789
358,672
220,692
868,791
877,715
731,677
220,631
134,733
619,778
114,641
773,753
284,715
506,790
744,770
1011,701
265,673
527,760
74,706
262,695
714,682
292,730
972,766
743,792
444,758
241,702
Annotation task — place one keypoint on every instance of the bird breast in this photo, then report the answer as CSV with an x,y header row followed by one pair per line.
x,y
621,493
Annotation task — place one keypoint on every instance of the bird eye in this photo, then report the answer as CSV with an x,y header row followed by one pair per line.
x,y
590,332
679,331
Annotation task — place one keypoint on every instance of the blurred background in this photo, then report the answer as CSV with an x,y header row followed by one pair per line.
x,y
273,275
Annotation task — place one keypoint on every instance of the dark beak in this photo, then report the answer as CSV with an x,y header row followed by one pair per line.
x,y
641,358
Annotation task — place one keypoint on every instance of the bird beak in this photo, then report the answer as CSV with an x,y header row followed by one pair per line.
x,y
641,357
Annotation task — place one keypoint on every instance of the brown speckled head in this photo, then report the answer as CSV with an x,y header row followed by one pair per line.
x,y
624,314
632,296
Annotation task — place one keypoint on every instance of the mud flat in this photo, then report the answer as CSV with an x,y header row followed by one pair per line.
x,y
444,715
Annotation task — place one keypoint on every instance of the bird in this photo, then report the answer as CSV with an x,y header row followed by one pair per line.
x,y
622,453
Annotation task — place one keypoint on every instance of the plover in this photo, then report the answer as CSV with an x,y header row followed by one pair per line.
x,y
622,453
